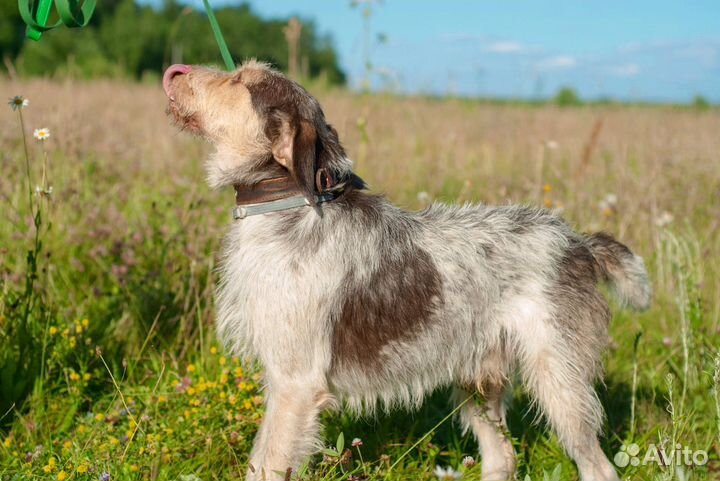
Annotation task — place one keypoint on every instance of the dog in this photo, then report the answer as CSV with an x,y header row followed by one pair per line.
x,y
347,300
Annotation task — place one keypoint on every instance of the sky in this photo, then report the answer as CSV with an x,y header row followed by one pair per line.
x,y
657,50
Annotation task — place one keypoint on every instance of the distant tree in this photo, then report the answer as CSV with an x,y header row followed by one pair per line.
x,y
125,38
567,97
700,103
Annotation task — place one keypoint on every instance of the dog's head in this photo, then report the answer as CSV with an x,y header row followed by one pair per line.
x,y
261,123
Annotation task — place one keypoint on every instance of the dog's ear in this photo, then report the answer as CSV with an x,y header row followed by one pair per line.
x,y
294,147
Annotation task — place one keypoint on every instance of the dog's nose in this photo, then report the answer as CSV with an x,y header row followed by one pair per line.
x,y
170,73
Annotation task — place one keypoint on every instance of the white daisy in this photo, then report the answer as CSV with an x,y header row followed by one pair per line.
x,y
446,474
18,102
41,134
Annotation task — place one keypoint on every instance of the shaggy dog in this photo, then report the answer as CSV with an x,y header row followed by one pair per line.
x,y
348,300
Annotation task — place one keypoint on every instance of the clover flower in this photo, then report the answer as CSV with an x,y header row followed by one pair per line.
x,y
356,442
468,461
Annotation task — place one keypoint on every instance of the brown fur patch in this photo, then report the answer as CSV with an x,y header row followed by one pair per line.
x,y
394,303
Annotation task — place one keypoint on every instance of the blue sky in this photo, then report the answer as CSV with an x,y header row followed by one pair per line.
x,y
632,49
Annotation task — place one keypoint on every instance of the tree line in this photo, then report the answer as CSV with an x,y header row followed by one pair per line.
x,y
127,39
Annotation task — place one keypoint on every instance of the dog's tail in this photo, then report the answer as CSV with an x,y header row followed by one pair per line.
x,y
624,271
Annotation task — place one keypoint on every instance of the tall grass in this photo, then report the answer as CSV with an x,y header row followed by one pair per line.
x,y
111,312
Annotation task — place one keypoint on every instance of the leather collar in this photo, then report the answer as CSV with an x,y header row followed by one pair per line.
x,y
281,193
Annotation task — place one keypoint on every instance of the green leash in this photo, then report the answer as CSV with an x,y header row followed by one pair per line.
x,y
224,52
72,14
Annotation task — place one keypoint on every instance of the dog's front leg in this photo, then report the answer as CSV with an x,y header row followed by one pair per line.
x,y
289,432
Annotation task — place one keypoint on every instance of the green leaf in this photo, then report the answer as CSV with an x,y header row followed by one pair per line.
x,y
340,444
330,452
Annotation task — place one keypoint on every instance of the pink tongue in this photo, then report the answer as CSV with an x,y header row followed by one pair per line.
x,y
173,70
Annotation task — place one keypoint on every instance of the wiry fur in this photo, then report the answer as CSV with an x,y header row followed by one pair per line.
x,y
357,302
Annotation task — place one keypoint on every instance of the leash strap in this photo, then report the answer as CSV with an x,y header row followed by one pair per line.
x,y
224,52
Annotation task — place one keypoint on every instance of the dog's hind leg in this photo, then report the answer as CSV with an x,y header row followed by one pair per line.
x,y
289,432
560,379
487,422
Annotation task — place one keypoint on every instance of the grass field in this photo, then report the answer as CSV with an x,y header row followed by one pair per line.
x,y
109,366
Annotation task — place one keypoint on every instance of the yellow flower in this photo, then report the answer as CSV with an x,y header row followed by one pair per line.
x,y
67,444
134,468
99,417
238,372
190,391
547,188
74,376
162,399
222,361
52,461
7,442
82,469
213,350
47,468
53,330
247,404
62,475
86,376
191,368
85,323
114,441
81,429
73,342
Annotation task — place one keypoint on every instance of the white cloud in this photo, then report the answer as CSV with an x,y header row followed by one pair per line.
x,y
558,61
626,70
505,47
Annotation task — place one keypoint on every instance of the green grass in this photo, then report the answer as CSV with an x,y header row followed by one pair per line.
x,y
108,357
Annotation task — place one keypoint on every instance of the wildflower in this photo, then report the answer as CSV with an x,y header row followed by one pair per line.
x,y
85,323
356,442
72,342
18,102
664,219
53,330
608,205
74,376
99,417
86,376
191,368
222,361
547,188
67,444
41,134
446,474
162,398
7,442
105,476
238,372
134,468
82,469
468,461
667,341
62,476
213,350
423,197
